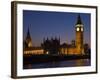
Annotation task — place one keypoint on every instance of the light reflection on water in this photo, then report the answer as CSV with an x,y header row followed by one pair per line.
x,y
66,63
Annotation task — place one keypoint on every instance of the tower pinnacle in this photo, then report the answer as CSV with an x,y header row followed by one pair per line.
x,y
79,20
28,40
28,34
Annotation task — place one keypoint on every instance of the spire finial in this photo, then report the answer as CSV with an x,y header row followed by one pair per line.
x,y
28,33
79,19
44,39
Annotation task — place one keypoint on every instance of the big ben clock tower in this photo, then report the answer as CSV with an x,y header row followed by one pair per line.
x,y
79,35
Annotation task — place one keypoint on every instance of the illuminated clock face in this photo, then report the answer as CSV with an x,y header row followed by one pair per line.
x,y
77,29
81,29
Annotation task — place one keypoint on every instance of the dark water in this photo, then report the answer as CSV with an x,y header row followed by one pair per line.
x,y
66,63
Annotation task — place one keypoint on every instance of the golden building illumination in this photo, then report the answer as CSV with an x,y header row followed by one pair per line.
x,y
33,50
75,48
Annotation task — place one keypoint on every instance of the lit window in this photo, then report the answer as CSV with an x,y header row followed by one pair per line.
x,y
47,52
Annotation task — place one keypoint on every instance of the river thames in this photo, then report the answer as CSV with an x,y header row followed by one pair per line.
x,y
56,64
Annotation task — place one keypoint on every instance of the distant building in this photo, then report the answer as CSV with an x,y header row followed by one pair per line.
x,y
28,47
53,46
28,40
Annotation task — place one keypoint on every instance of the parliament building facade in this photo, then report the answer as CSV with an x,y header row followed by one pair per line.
x,y
53,46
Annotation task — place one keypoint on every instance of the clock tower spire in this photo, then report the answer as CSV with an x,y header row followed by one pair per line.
x,y
79,35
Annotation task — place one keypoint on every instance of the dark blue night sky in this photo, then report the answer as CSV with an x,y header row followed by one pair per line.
x,y
43,24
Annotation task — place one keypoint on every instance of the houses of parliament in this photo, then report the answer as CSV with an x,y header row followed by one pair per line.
x,y
53,46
